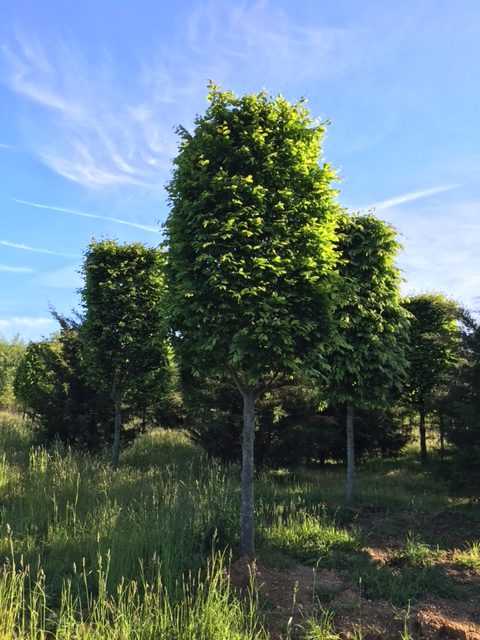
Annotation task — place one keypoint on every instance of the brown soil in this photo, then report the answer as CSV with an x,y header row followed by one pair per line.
x,y
288,597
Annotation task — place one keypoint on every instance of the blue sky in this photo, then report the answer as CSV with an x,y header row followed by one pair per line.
x,y
91,92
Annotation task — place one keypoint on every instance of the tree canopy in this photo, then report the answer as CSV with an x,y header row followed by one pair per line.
x,y
250,237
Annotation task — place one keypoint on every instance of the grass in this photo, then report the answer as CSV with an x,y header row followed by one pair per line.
x,y
140,553
469,557
416,554
306,537
134,611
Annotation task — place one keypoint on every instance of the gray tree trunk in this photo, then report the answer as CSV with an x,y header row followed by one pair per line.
x,y
117,400
247,543
350,456
442,434
423,436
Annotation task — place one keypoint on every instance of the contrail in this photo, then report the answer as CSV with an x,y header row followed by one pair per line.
x,y
8,269
24,247
408,197
83,214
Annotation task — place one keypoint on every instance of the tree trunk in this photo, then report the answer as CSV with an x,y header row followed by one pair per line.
x,y
247,544
423,435
442,434
350,456
117,398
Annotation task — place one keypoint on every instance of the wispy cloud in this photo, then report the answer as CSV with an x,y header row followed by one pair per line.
x,y
84,214
25,247
102,128
409,197
264,34
8,269
92,129
6,146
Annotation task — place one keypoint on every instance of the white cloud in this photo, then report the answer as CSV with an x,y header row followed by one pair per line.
x,y
29,328
6,146
9,269
103,129
84,214
24,247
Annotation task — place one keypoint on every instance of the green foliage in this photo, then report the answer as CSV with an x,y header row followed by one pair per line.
x,y
250,239
462,408
11,353
52,385
116,554
434,345
369,361
470,557
307,538
416,553
139,609
320,627
123,331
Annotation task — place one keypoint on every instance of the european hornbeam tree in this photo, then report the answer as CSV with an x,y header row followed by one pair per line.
x,y
463,430
123,332
434,352
11,353
369,360
250,252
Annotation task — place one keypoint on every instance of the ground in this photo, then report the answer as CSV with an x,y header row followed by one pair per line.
x,y
289,597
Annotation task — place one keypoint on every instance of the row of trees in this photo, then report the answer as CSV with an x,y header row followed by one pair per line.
x,y
264,282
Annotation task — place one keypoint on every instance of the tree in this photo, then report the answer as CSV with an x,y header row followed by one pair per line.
x,y
250,252
123,333
434,352
50,382
11,353
369,360
463,406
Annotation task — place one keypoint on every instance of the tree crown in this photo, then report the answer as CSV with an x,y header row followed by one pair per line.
x,y
250,237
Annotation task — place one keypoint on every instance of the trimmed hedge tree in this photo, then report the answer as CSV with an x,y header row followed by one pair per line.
x,y
369,362
123,333
251,252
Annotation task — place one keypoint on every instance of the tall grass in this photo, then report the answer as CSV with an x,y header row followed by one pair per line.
x,y
136,610
90,553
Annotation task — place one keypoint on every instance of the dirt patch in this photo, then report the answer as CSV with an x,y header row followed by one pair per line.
x,y
288,597
432,623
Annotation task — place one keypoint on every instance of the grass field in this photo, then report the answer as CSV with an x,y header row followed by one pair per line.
x,y
150,551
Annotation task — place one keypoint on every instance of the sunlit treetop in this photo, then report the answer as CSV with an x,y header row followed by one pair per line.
x,y
250,237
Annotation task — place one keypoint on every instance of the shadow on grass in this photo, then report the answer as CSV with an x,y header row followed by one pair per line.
x,y
399,584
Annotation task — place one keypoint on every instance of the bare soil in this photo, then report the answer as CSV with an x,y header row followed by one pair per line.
x,y
288,597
